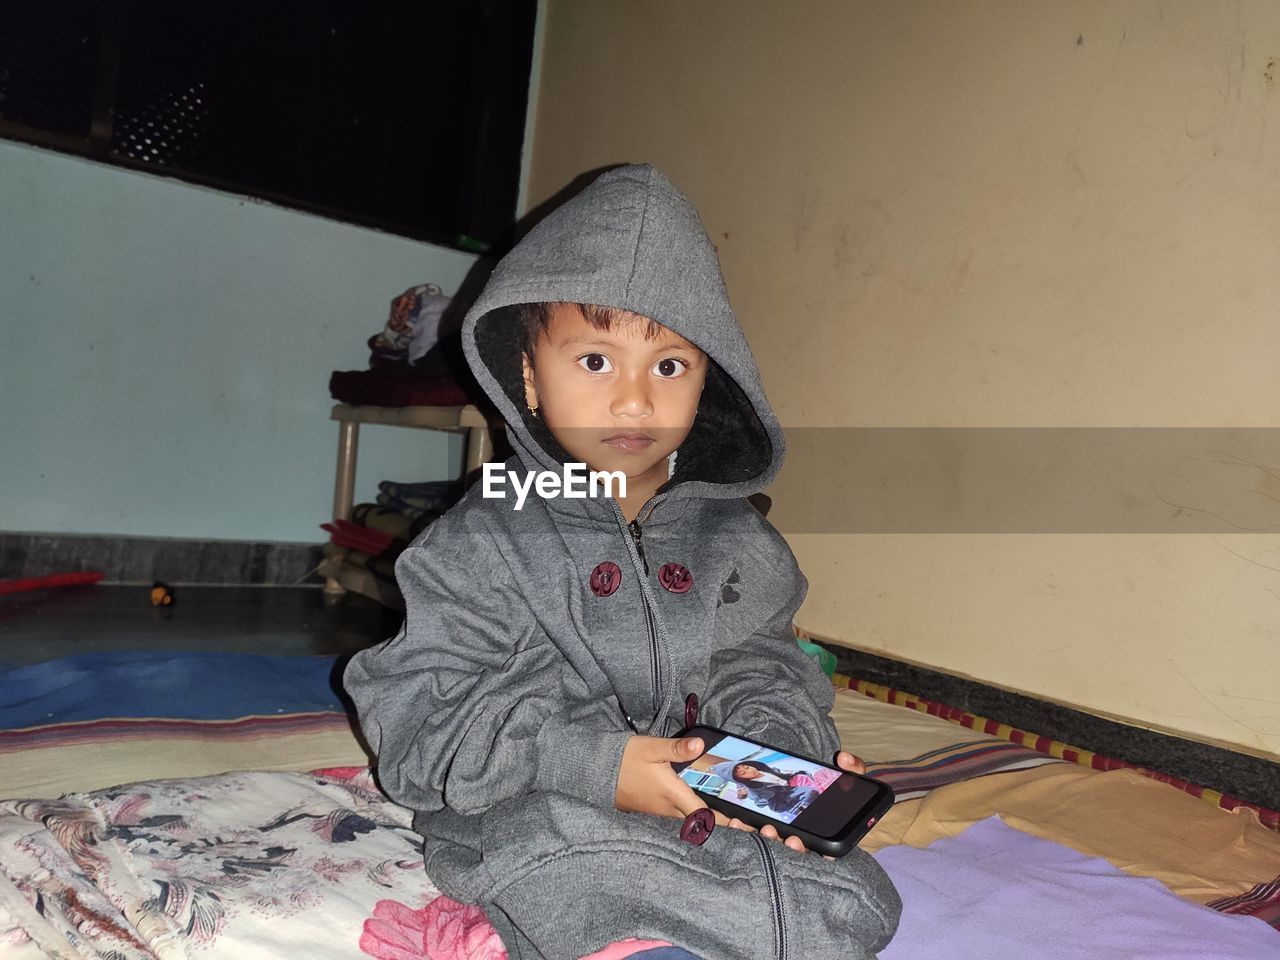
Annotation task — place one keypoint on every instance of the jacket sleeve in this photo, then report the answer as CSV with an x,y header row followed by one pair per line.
x,y
761,684
470,703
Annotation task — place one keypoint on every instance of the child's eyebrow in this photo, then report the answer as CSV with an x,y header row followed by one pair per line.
x,y
664,345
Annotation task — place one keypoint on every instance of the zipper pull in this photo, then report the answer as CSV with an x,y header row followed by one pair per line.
x,y
634,527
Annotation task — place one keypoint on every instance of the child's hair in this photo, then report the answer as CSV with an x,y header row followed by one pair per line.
x,y
535,318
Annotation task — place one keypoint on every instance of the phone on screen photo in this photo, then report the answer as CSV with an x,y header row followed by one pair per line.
x,y
826,807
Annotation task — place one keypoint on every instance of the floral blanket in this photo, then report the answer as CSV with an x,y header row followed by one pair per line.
x,y
249,866
243,866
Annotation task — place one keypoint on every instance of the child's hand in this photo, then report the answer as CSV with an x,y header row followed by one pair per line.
x,y
845,761
647,784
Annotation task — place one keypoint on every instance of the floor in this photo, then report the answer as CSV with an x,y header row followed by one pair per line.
x,y
278,620
297,620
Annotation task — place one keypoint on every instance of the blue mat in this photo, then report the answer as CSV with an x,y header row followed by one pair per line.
x,y
197,686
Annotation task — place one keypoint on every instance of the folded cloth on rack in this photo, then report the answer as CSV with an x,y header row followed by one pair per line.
x,y
413,325
345,533
435,496
993,891
449,490
415,514
380,353
397,385
426,305
383,566
388,521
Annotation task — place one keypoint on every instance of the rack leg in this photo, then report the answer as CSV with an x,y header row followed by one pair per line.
x,y
479,450
344,486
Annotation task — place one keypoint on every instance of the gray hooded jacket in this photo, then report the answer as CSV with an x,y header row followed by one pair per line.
x,y
501,709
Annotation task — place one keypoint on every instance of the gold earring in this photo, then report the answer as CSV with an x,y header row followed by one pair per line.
x,y
533,412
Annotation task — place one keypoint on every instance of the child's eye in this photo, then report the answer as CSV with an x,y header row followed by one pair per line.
x,y
595,363
671,367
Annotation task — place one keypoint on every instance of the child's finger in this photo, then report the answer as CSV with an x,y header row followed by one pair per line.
x,y
796,844
739,825
685,800
847,761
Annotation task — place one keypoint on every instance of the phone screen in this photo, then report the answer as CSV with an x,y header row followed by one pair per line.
x,y
811,796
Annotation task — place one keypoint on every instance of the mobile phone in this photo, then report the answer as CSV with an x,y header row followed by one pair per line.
x,y
826,807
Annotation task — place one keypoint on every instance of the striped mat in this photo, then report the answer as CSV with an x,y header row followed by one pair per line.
x,y
955,762
1048,746
1263,902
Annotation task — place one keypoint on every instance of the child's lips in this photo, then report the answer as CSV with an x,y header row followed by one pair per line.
x,y
630,442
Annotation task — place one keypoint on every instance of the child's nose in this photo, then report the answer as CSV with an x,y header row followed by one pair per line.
x,y
631,398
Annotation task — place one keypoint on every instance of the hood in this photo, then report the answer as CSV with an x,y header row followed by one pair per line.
x,y
724,769
631,240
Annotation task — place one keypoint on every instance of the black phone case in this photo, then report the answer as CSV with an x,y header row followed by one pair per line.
x,y
837,846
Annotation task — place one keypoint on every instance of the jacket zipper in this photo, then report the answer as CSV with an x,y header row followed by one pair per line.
x,y
634,527
655,661
775,894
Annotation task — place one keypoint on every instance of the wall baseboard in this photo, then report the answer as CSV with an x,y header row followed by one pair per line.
x,y
1240,775
128,559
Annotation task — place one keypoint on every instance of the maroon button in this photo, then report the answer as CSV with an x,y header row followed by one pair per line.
x,y
691,711
675,578
606,578
697,827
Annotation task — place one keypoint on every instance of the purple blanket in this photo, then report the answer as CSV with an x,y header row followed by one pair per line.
x,y
993,892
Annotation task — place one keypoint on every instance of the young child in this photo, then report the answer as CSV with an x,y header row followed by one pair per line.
x,y
525,709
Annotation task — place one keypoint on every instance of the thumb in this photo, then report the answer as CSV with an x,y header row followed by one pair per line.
x,y
686,748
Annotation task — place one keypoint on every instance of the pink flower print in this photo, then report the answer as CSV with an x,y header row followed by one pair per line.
x,y
339,773
625,948
442,930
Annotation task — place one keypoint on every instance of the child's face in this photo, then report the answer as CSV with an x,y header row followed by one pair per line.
x,y
614,400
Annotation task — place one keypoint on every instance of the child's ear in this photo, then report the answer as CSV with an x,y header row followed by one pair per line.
x,y
530,388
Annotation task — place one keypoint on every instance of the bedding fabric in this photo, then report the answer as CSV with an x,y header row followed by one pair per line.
x,y
249,866
95,720
276,866
146,683
180,867
1140,825
285,865
993,891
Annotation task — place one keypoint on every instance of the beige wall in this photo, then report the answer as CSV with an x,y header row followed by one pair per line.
x,y
986,214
